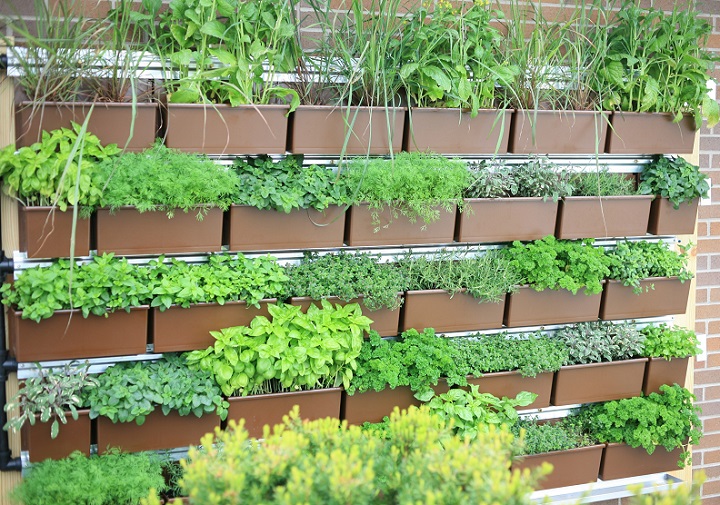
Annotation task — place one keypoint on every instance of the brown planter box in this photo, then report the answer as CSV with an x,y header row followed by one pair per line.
x,y
127,231
252,229
261,410
360,230
73,436
570,467
509,384
371,406
179,329
667,220
598,382
453,131
46,235
221,129
385,321
436,309
566,131
661,371
158,432
527,307
506,219
620,461
669,296
650,133
110,122
68,335
323,129
611,216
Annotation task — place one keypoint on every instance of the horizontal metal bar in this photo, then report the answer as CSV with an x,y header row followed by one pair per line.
x,y
606,490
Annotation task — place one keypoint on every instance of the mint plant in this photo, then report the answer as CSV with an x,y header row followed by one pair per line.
x,y
663,341
560,264
285,184
50,395
290,351
632,262
600,341
675,179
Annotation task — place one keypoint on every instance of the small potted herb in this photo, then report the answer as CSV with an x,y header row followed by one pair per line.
x,y
574,454
283,205
350,278
669,349
147,405
604,363
678,186
561,281
646,279
43,177
409,199
451,291
645,434
162,201
289,358
512,202
55,398
603,204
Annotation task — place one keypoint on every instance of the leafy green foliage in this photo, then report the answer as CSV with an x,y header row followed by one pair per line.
x,y
131,391
61,169
668,419
602,183
561,435
417,460
347,276
538,177
110,479
417,360
165,179
675,179
600,341
291,351
632,262
285,185
223,278
410,184
104,284
560,264
488,277
50,395
530,353
656,62
473,412
663,341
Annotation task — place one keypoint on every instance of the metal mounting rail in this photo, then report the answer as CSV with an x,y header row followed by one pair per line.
x,y
606,490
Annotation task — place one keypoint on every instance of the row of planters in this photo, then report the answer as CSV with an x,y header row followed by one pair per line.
x,y
595,75
165,201
58,311
374,457
258,372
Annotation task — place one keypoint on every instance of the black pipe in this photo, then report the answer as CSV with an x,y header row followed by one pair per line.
x,y
7,462
3,61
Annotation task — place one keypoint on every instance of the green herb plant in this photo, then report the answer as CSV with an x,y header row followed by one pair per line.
x,y
50,395
131,391
561,435
632,262
285,185
602,183
600,341
675,179
539,177
413,185
668,419
348,277
109,479
663,341
290,351
487,278
472,412
61,169
560,264
163,179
